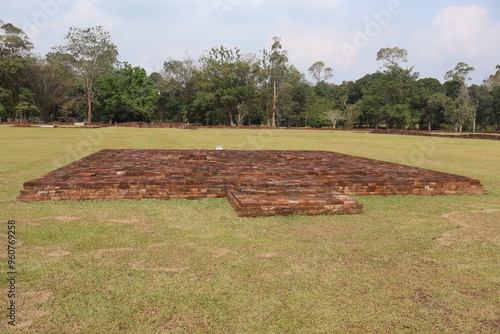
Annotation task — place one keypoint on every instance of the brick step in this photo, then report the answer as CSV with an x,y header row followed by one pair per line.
x,y
249,203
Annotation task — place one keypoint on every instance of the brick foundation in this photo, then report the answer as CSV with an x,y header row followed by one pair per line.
x,y
257,183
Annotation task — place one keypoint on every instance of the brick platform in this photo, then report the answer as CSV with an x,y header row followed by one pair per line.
x,y
257,183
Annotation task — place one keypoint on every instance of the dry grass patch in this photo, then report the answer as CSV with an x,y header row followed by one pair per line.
x,y
472,226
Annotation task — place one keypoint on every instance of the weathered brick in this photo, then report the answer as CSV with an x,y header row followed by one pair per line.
x,y
256,182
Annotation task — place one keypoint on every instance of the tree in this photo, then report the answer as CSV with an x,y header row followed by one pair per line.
x,y
461,111
389,97
178,88
15,60
493,80
91,54
357,89
352,114
277,72
460,73
479,99
437,104
495,103
127,95
393,58
51,85
319,72
426,89
14,43
315,112
335,116
228,82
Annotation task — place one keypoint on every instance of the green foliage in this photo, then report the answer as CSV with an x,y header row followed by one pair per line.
x,y
430,115
389,100
14,43
15,61
495,103
228,87
319,72
177,85
393,57
127,95
316,111
51,85
91,54
279,77
461,111
460,73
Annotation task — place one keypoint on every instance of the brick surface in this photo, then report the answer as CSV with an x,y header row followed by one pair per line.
x,y
257,183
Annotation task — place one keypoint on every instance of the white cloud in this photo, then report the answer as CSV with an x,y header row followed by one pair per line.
x,y
307,45
456,31
86,14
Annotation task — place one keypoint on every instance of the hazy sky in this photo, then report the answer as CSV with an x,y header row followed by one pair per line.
x,y
345,34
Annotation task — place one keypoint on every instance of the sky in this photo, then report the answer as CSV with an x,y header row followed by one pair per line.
x,y
345,34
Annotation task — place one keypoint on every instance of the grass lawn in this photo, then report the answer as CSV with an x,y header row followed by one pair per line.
x,y
407,265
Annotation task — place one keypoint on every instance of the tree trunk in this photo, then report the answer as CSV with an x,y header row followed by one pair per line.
x,y
231,122
274,105
474,122
89,106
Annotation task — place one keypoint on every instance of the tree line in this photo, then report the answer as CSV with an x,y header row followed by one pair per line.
x,y
83,79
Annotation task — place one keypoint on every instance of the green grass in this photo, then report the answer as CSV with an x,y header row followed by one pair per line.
x,y
408,264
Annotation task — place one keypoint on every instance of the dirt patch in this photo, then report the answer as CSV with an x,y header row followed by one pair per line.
x,y
220,252
60,218
472,226
124,221
31,307
268,255
100,253
141,266
59,253
169,270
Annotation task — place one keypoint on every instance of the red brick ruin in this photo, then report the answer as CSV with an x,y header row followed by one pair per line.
x,y
257,183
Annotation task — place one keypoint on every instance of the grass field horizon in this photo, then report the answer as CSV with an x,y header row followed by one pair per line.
x,y
408,264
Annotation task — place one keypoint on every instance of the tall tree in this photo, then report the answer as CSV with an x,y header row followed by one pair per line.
x,y
51,85
178,89
431,114
438,103
493,80
319,72
228,82
15,61
460,112
479,100
277,72
91,54
389,98
464,108
495,97
460,73
393,58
